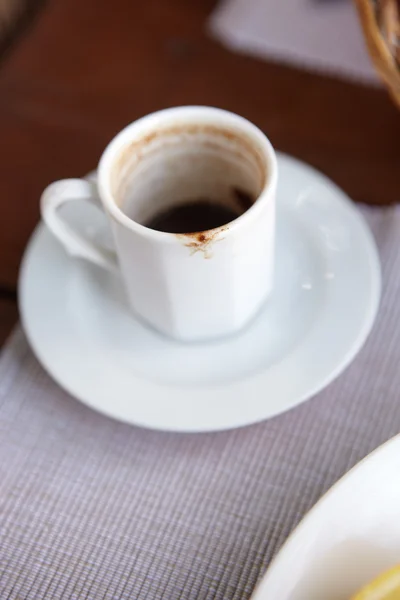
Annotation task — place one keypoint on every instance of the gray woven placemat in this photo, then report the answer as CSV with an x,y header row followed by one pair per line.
x,y
93,509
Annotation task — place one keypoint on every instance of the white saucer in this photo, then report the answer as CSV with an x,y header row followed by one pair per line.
x,y
349,537
323,307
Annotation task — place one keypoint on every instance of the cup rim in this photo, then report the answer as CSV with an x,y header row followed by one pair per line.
x,y
178,115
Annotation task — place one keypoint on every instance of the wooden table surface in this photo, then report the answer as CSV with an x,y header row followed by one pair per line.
x,y
85,69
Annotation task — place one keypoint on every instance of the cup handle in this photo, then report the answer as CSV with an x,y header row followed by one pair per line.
x,y
76,244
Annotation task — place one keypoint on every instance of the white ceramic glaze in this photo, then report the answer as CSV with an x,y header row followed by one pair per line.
x,y
347,539
322,308
196,286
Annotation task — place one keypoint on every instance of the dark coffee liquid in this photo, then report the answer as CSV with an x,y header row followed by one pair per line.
x,y
190,217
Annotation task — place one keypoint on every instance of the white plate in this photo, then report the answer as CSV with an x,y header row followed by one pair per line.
x,y
347,539
322,309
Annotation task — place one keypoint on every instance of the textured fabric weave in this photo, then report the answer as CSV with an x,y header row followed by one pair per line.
x,y
94,509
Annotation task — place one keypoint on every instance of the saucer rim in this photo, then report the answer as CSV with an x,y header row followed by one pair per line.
x,y
320,383
312,514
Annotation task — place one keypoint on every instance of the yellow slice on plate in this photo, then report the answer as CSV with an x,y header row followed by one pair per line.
x,y
384,587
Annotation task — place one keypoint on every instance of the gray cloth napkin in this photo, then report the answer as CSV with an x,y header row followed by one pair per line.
x,y
94,509
321,35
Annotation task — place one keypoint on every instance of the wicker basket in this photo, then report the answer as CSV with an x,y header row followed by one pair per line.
x,y
381,23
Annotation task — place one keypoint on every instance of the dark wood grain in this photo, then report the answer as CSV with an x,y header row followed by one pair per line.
x,y
87,68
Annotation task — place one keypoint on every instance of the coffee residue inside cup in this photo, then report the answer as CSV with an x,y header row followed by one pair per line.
x,y
193,216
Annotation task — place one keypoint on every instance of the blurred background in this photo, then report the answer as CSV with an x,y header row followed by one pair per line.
x,y
73,72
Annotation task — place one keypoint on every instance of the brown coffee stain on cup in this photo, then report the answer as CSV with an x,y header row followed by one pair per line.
x,y
202,241
133,152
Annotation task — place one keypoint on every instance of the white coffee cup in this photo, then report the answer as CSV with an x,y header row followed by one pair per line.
x,y
195,285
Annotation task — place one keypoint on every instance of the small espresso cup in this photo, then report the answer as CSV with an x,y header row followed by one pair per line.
x,y
192,285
